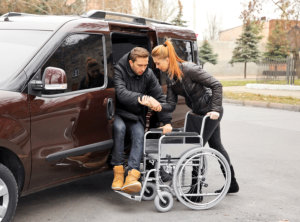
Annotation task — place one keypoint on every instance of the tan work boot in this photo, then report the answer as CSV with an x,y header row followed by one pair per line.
x,y
132,185
118,178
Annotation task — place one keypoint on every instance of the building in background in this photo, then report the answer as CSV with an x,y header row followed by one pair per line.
x,y
226,43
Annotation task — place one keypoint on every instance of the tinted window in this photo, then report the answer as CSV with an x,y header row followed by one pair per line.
x,y
123,43
81,56
195,49
17,47
183,49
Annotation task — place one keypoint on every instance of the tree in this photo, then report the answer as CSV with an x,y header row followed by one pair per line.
x,y
206,54
157,9
246,49
178,19
277,45
213,27
290,13
60,7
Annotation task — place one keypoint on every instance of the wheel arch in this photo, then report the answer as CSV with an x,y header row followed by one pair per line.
x,y
14,164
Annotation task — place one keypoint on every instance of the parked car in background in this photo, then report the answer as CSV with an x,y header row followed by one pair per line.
x,y
56,120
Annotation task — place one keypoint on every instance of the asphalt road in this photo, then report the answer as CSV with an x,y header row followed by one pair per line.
x,y
264,147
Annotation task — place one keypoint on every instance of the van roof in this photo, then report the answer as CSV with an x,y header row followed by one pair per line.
x,y
54,22
34,22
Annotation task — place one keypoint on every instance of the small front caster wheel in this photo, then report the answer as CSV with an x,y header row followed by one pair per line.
x,y
166,204
150,191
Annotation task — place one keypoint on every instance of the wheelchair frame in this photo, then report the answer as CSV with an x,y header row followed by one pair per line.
x,y
195,157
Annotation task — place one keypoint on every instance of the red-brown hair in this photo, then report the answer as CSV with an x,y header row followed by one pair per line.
x,y
167,50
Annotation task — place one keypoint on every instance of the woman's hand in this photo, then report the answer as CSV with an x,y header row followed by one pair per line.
x,y
213,115
166,128
150,102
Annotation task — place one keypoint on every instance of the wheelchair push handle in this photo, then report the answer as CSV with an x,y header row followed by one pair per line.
x,y
203,124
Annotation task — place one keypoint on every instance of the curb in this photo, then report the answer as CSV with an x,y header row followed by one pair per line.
x,y
283,106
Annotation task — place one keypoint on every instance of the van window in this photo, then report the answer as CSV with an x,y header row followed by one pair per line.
x,y
81,56
17,47
195,50
183,49
123,43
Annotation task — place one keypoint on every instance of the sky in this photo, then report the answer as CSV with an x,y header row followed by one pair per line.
x,y
227,13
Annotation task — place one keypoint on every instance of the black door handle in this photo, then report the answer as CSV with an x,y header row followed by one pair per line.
x,y
110,109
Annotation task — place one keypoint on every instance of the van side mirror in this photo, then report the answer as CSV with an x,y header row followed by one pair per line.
x,y
54,79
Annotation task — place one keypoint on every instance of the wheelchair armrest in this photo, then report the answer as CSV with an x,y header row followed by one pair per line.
x,y
183,134
155,130
160,130
177,130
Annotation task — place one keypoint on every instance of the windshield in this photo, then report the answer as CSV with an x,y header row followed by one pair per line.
x,y
17,47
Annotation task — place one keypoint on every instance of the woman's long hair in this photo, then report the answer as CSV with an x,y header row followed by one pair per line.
x,y
167,50
90,62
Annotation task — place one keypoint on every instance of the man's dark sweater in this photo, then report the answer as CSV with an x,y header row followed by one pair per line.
x,y
130,86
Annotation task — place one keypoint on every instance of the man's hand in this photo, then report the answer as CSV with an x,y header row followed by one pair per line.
x,y
154,104
150,102
213,115
166,128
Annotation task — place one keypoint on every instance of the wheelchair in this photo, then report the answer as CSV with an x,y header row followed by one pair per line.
x,y
198,177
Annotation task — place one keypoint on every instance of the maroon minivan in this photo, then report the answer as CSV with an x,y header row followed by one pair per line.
x,y
56,124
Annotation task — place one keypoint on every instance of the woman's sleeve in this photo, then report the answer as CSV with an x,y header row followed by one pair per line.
x,y
200,76
172,98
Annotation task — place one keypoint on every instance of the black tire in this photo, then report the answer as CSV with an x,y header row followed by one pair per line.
x,y
9,194
160,205
150,192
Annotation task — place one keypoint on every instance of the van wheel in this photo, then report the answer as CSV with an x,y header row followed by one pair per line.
x,y
8,194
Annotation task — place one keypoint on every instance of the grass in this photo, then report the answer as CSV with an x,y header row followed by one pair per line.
x,y
264,98
244,82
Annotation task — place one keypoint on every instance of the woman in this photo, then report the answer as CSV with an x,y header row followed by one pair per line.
x,y
93,77
202,92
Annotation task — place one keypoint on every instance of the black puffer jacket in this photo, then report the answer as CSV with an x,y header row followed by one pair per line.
x,y
130,86
202,92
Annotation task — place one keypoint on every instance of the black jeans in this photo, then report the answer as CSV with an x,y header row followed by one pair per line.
x,y
212,133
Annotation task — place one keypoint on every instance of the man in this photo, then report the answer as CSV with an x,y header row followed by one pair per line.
x,y
133,80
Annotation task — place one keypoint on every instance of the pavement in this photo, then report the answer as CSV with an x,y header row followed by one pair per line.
x,y
263,145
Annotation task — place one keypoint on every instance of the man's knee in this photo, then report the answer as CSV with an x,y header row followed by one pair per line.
x,y
119,126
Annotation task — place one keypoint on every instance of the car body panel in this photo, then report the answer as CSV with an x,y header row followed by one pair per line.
x,y
15,128
63,123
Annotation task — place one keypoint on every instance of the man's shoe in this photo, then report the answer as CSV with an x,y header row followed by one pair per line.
x,y
118,178
132,185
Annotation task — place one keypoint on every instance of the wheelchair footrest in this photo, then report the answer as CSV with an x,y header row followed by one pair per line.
x,y
135,197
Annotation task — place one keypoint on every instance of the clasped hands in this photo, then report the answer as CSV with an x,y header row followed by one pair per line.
x,y
150,102
154,105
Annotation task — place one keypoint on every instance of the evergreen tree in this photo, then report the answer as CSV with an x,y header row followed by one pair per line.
x,y
206,54
178,20
277,45
246,49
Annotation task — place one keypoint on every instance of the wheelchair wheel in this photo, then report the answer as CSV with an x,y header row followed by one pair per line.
x,y
150,191
167,204
198,174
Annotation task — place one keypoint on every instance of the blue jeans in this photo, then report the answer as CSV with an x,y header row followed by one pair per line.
x,y
136,130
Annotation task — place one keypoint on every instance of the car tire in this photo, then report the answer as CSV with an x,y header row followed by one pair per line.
x,y
8,194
